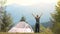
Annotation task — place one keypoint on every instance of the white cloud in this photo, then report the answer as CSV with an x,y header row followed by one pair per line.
x,y
29,2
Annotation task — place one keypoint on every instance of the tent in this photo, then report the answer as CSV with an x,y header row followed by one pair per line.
x,y
21,27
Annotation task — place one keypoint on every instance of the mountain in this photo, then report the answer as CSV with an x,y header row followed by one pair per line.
x,y
47,24
17,11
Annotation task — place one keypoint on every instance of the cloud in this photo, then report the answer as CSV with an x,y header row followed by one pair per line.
x,y
29,2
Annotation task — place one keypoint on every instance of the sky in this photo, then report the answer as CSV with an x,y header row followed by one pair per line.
x,y
29,2
27,7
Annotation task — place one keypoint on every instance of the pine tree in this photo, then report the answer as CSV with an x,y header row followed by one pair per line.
x,y
5,18
23,19
7,21
56,19
2,2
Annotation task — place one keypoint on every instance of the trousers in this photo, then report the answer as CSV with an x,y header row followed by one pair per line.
x,y
37,27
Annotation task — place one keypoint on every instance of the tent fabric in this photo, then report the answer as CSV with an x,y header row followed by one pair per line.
x,y
22,27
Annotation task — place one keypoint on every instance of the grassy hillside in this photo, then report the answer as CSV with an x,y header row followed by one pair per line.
x,y
45,30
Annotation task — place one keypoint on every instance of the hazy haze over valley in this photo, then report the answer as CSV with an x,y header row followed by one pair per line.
x,y
17,11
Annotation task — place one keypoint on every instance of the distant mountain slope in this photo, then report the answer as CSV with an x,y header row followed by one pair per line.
x,y
17,11
47,24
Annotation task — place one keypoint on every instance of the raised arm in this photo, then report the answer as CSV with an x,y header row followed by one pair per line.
x,y
40,15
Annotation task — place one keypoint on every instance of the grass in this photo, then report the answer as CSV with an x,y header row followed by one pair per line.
x,y
25,33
